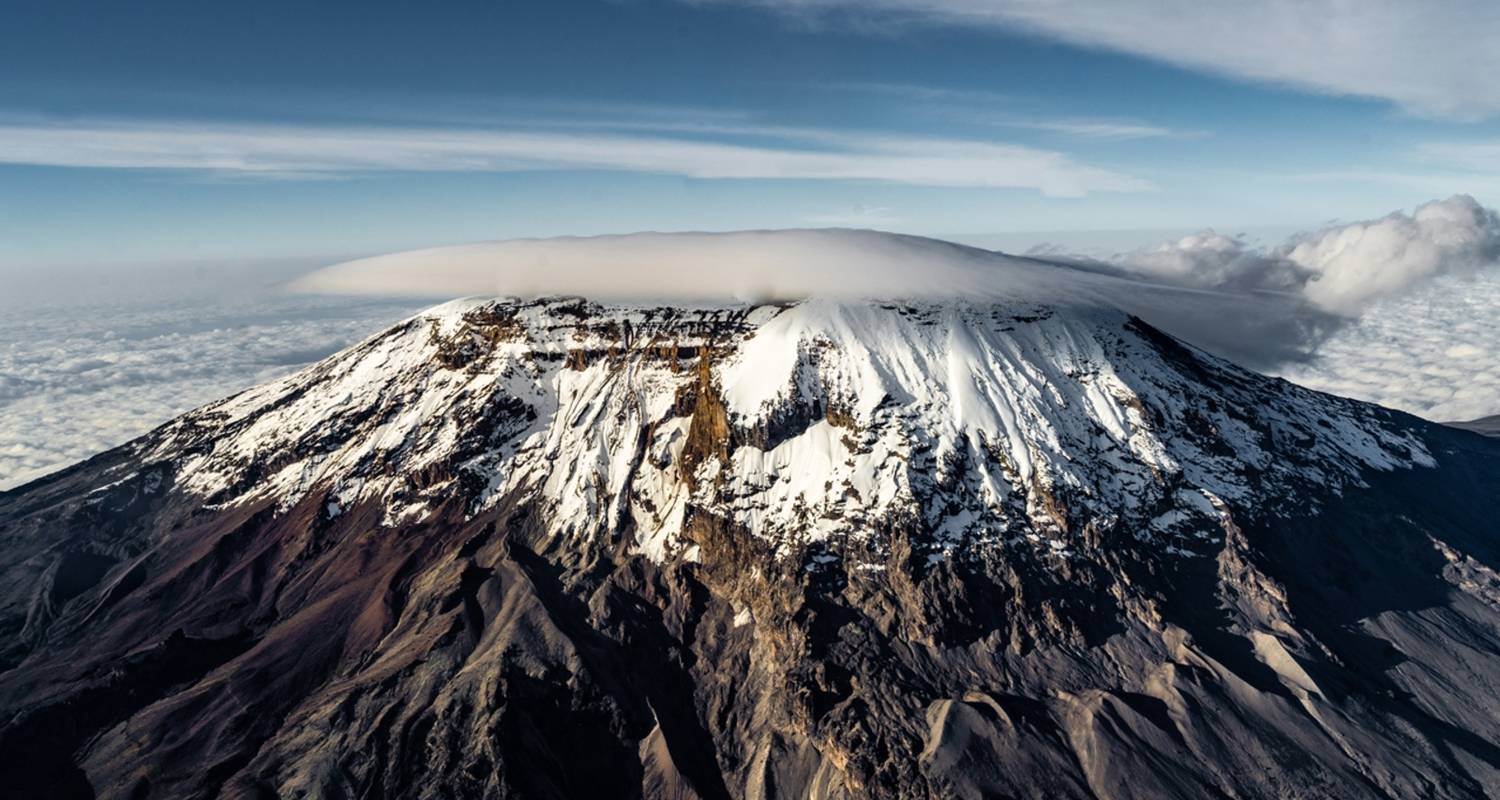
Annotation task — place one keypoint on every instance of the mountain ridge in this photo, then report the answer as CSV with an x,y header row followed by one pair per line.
x,y
1489,426
557,549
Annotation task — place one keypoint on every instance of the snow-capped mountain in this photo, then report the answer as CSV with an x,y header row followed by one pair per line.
x,y
806,549
808,425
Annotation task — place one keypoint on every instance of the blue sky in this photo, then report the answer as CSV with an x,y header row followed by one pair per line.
x,y
175,131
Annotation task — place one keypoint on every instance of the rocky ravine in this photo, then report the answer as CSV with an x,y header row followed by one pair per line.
x,y
829,550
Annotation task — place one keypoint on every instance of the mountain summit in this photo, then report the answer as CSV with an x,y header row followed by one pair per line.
x,y
823,548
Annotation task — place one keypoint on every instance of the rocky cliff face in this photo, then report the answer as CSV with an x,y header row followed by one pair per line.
x,y
814,549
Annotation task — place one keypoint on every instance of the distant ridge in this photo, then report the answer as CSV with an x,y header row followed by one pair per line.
x,y
1489,426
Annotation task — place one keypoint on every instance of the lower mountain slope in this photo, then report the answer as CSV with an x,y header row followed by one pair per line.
x,y
818,549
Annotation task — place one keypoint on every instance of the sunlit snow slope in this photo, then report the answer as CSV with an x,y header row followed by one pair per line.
x,y
815,425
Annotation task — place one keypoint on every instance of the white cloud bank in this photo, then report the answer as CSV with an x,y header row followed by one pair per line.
x,y
77,379
1416,299
1434,351
791,153
1435,58
1341,269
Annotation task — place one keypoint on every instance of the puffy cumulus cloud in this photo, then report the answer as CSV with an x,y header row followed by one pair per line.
x,y
1340,269
1212,259
77,380
1434,352
1408,306
1352,265
1433,58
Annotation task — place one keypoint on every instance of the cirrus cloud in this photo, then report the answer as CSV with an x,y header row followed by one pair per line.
x,y
1431,58
302,151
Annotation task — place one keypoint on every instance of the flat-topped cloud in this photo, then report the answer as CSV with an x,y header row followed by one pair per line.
x,y
1262,307
750,266
733,266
